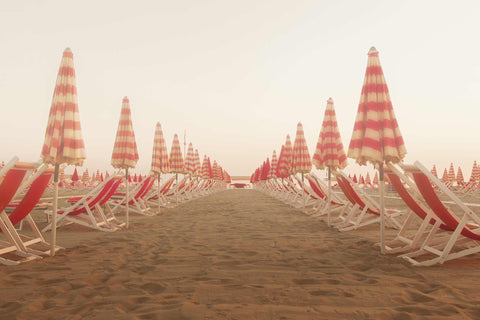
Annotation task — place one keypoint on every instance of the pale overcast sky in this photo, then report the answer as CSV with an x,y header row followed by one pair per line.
x,y
239,75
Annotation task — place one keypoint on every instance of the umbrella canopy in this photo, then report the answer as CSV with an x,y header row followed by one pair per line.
x,y
86,176
125,153
445,175
266,169
368,180
451,173
376,136
176,157
284,165
215,170
434,171
198,165
329,151
301,161
190,160
279,173
160,163
273,166
75,175
63,137
205,170
375,179
475,175
135,179
460,180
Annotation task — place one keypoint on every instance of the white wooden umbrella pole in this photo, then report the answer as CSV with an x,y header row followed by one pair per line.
x,y
382,210
329,197
54,212
159,201
127,197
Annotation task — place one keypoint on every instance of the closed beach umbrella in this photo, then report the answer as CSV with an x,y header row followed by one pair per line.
x,y
368,180
460,180
273,165
63,137
86,176
301,161
375,179
190,160
160,162
475,175
451,173
329,152
285,161
279,172
198,165
376,136
75,177
176,158
445,176
125,153
205,172
434,171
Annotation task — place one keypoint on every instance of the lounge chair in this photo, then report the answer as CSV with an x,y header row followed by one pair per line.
x,y
119,200
87,210
364,210
21,246
464,223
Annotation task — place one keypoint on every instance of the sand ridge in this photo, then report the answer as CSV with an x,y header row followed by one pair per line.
x,y
237,254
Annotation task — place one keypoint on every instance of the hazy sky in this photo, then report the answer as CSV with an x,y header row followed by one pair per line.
x,y
239,75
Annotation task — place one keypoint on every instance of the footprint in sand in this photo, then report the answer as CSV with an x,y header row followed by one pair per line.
x,y
153,288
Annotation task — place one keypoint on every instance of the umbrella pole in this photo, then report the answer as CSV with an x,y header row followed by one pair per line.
x,y
127,198
304,193
55,207
382,210
329,197
158,176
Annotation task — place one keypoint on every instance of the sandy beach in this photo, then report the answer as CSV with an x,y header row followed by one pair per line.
x,y
237,254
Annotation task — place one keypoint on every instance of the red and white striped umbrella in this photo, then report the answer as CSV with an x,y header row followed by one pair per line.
x,y
85,176
198,165
475,175
376,136
375,179
434,171
176,157
190,160
329,151
285,161
368,180
451,173
460,180
301,161
160,163
205,169
125,153
273,166
215,170
445,176
75,177
63,137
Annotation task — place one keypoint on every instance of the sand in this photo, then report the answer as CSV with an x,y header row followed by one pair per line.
x,y
237,254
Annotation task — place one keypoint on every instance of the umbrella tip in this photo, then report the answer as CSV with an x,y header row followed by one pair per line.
x,y
330,100
373,50
67,49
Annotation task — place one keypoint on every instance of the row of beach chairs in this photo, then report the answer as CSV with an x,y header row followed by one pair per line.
x,y
97,209
437,225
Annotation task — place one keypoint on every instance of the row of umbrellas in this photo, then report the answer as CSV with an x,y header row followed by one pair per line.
x,y
64,142
449,175
376,138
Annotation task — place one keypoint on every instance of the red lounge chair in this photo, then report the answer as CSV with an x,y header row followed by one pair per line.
x,y
364,210
321,191
464,238
87,210
135,202
24,247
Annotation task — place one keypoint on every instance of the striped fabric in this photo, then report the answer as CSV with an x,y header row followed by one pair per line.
x,y
86,176
434,171
198,165
63,137
190,160
215,170
368,180
75,176
273,166
284,165
176,157
301,161
451,173
205,170
475,175
61,174
375,178
445,175
459,179
266,169
376,137
160,163
125,153
329,151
